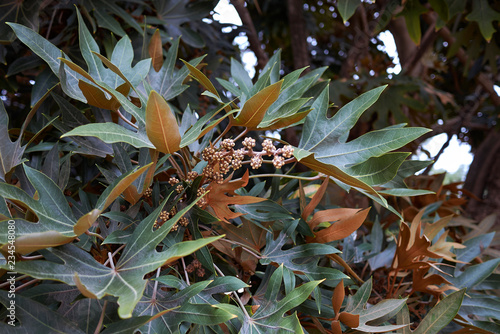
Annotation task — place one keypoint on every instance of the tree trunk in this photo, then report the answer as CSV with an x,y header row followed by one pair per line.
x,y
298,34
483,179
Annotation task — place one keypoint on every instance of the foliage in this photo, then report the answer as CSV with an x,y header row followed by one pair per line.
x,y
139,195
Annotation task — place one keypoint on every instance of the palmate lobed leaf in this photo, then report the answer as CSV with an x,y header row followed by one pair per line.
x,y
181,303
56,223
50,54
269,314
290,258
125,279
10,152
34,317
220,196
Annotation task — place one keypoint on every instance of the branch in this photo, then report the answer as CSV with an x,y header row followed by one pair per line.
x,y
253,38
482,78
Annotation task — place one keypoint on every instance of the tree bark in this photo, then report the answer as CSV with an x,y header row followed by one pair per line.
x,y
298,34
483,179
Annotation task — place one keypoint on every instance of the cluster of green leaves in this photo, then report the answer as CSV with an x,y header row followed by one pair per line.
x,y
89,188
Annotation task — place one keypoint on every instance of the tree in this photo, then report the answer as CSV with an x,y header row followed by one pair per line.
x,y
141,191
448,52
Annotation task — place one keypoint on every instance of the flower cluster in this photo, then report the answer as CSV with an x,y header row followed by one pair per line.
x,y
221,160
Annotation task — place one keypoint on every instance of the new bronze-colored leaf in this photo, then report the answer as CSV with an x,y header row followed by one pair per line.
x,y
161,125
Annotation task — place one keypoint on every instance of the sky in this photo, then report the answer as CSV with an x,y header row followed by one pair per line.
x,y
453,157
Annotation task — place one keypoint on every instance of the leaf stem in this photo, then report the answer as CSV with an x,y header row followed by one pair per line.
x,y
126,120
155,288
17,279
319,176
185,271
242,246
339,260
235,294
184,163
241,134
114,253
92,234
176,166
34,257
111,263
101,319
226,130
27,284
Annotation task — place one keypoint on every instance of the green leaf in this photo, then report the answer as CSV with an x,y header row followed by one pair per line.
x,y
201,78
307,158
441,314
56,223
201,128
168,81
34,317
241,77
111,133
50,54
480,307
356,302
441,7
378,170
11,153
264,211
412,12
269,315
291,258
182,310
473,248
122,57
125,279
347,8
316,129
22,12
475,274
87,46
386,309
484,15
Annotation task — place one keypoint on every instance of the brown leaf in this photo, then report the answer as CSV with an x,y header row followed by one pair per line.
x,y
220,196
430,283
412,248
350,320
285,122
336,329
254,109
96,96
156,51
346,221
443,248
161,125
338,298
315,199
